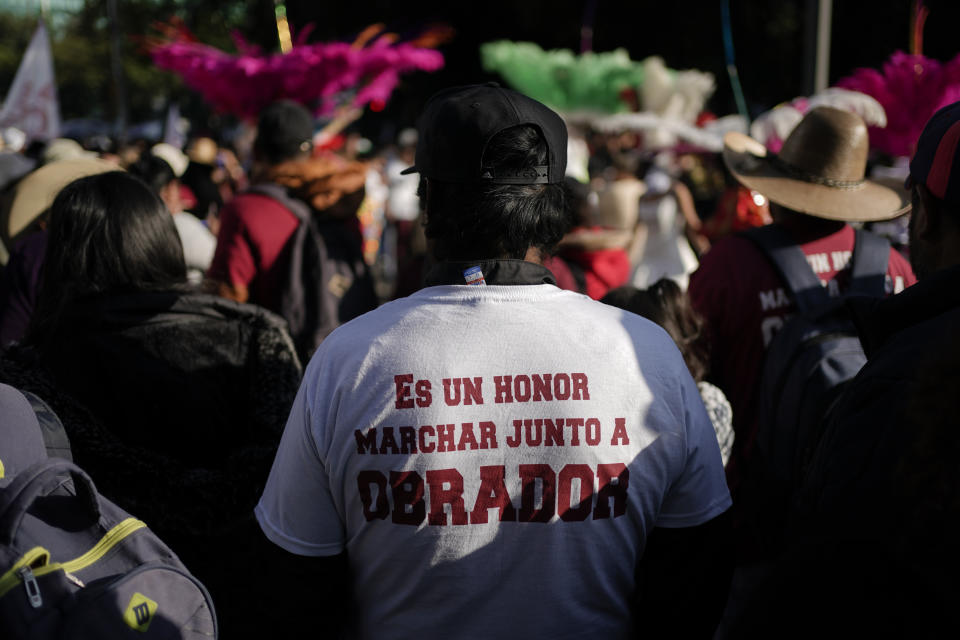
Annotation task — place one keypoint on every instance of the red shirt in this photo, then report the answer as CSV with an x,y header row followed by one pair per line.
x,y
744,301
603,269
254,230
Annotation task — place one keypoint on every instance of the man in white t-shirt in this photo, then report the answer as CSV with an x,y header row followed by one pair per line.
x,y
494,457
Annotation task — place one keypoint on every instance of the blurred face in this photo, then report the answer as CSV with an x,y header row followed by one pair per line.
x,y
170,195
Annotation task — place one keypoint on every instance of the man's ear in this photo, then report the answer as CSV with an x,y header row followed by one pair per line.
x,y
424,194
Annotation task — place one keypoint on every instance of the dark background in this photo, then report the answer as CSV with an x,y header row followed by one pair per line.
x,y
771,39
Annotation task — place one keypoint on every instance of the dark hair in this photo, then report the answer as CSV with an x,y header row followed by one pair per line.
x,y
942,221
667,305
578,200
626,162
155,172
107,233
469,221
284,132
199,179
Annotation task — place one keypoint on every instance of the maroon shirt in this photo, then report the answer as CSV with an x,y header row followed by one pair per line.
x,y
744,302
254,230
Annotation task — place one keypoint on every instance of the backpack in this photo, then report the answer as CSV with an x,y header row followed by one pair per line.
x,y
75,565
808,361
326,282
54,434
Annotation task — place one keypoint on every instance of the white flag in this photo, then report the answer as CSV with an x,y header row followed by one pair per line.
x,y
173,128
31,103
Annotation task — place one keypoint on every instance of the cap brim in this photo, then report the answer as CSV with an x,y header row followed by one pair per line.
x,y
750,162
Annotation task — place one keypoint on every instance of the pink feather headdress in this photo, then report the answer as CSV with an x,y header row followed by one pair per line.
x,y
321,76
910,88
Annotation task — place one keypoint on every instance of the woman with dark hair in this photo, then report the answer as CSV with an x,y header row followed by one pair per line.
x,y
173,400
667,305
107,234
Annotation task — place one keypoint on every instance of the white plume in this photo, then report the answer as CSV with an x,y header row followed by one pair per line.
x,y
861,104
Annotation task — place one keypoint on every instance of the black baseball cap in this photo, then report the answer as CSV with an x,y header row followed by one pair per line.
x,y
458,123
936,162
284,130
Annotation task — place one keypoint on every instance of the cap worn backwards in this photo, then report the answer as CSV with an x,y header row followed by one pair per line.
x,y
284,130
458,123
935,162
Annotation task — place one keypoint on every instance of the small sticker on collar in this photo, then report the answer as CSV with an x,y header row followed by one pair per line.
x,y
474,276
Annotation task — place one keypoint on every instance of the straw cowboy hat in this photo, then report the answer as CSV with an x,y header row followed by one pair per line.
x,y
35,193
177,159
819,171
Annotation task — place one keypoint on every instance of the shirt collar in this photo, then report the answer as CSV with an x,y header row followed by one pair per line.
x,y
494,272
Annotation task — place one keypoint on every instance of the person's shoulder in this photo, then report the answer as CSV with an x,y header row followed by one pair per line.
x,y
730,250
644,334
254,201
188,223
195,305
899,265
354,333
379,335
712,394
732,259
411,315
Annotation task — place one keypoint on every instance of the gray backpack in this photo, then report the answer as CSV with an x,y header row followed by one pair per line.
x,y
75,565
326,282
807,365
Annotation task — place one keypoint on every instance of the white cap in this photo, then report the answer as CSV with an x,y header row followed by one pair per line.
x,y
177,159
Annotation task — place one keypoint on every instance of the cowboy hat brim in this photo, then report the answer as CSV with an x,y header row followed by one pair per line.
x,y
754,167
35,193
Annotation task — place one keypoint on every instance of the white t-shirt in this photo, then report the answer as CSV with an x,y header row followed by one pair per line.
x,y
492,459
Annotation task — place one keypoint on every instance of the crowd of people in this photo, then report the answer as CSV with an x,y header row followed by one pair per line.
x,y
458,387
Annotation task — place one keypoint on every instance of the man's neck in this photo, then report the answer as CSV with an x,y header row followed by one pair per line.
x,y
805,228
534,255
493,272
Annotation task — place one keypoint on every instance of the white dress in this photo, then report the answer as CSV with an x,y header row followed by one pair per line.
x,y
666,252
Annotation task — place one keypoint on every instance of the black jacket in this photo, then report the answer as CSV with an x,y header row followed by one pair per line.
x,y
912,341
873,544
174,404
